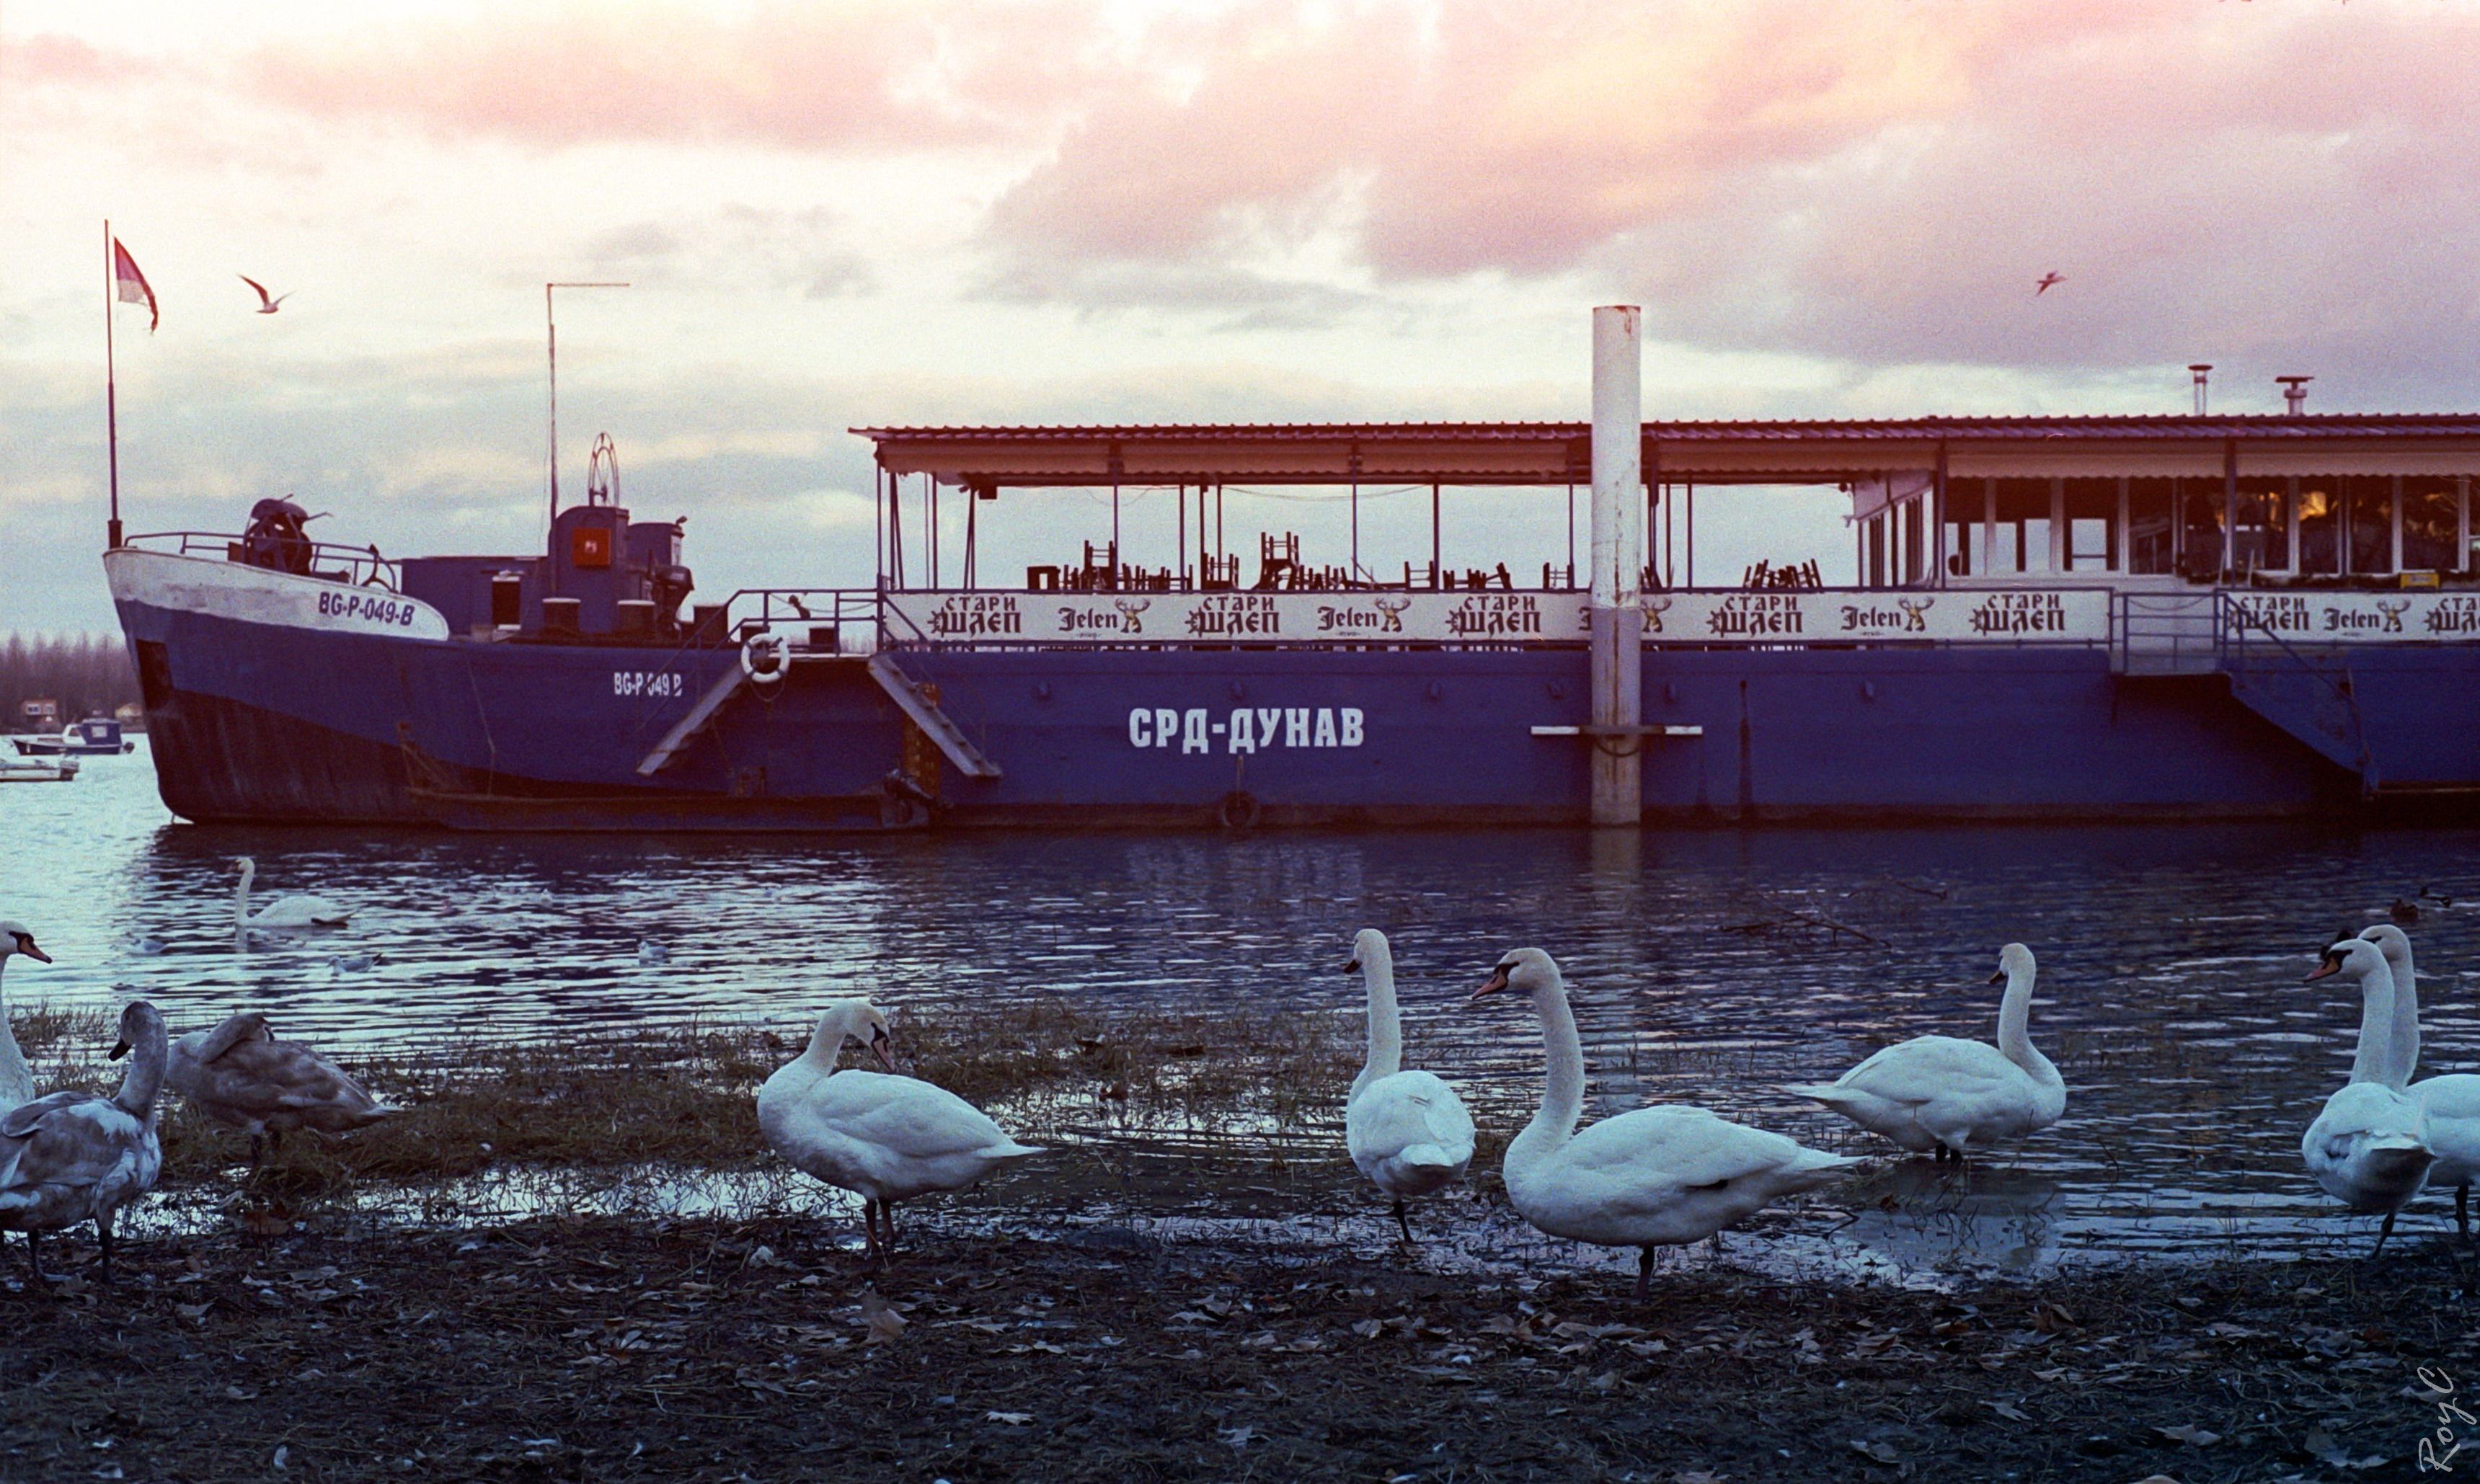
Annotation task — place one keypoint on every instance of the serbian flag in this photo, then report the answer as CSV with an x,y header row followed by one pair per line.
x,y
131,284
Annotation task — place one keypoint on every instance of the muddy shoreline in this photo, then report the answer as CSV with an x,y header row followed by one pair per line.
x,y
761,1349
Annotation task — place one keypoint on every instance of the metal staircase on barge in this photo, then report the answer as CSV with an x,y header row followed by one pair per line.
x,y
922,709
2210,638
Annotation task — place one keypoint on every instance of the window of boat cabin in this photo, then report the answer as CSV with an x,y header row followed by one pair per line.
x,y
2346,526
2260,532
2319,504
2089,506
2432,524
2368,514
1892,547
2152,542
2015,533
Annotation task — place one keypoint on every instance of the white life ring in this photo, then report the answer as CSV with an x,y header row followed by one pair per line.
x,y
765,658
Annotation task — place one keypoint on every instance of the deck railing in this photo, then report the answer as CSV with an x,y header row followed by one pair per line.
x,y
327,561
2167,633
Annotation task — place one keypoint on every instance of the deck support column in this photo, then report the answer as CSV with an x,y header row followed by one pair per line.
x,y
1617,544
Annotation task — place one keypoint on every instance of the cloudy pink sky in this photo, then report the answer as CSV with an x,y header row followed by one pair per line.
x,y
926,211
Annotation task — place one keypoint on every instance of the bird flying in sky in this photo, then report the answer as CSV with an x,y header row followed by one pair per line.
x,y
266,305
2040,285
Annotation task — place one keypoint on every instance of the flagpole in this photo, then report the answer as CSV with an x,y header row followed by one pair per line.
x,y
110,394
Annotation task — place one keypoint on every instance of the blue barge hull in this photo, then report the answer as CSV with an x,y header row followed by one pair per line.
x,y
258,723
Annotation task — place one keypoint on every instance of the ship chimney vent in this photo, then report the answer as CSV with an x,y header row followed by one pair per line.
x,y
2294,394
2198,370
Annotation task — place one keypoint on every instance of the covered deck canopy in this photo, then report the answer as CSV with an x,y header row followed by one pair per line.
x,y
987,459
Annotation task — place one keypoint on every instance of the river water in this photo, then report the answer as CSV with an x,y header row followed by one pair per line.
x,y
1705,966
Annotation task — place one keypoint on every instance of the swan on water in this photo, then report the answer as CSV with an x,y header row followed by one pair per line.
x,y
239,1075
882,1136
296,910
16,1078
1408,1130
1951,1097
76,1156
2368,1147
2450,1102
1647,1178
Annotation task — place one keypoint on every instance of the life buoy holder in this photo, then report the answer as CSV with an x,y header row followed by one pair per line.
x,y
765,658
1237,810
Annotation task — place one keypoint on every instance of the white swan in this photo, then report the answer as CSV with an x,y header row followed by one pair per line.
x,y
75,1156
885,1138
2451,1102
1648,1178
239,1075
16,1078
1953,1097
1408,1130
2368,1147
296,909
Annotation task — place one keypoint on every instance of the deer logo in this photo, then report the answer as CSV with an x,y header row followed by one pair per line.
x,y
1129,608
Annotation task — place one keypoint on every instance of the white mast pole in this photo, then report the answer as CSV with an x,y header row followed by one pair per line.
x,y
1617,544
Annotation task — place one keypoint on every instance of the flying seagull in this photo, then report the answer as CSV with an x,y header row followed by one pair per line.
x,y
266,305
2040,286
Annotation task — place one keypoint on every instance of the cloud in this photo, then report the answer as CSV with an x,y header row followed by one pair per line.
x,y
751,248
47,58
1868,182
864,74
1513,142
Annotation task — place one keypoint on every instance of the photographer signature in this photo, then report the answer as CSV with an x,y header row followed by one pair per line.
x,y
2437,1451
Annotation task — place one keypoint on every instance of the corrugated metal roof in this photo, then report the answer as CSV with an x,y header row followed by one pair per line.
x,y
1739,449
2455,425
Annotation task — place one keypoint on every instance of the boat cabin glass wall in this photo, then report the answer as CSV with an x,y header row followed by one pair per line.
x,y
2280,528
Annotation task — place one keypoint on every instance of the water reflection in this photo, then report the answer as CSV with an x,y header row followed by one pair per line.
x,y
1707,967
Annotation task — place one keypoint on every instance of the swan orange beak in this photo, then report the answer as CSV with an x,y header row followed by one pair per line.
x,y
26,946
1497,982
2330,963
878,1043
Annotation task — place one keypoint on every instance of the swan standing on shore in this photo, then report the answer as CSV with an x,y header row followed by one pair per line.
x,y
1406,1131
1952,1096
884,1136
75,1156
1648,1178
239,1075
2449,1103
16,1078
2368,1147
296,910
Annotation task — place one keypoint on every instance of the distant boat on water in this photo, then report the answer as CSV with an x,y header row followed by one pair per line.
x,y
95,736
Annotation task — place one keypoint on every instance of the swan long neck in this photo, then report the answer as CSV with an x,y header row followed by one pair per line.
x,y
148,1055
2015,1017
235,1030
1385,1021
241,896
827,1043
1562,1090
2402,1060
2372,1060
15,1075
